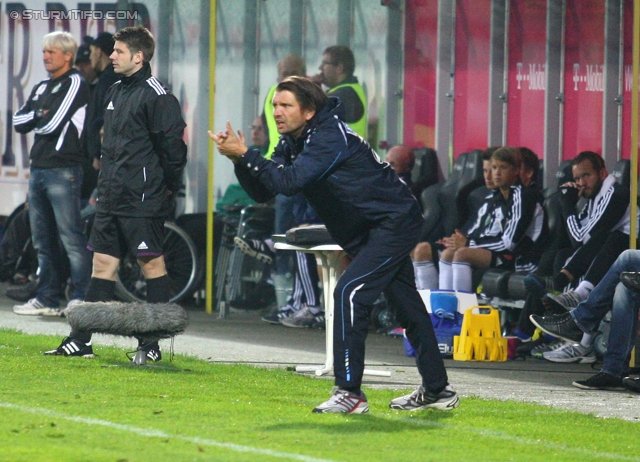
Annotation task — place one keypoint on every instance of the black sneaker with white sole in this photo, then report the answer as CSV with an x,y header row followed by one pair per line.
x,y
72,347
255,248
277,317
632,383
446,400
152,350
600,381
319,321
559,325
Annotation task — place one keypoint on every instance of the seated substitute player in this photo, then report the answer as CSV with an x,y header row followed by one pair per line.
x,y
425,255
502,223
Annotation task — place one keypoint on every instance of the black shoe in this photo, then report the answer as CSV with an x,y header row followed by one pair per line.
x,y
318,321
561,326
255,248
152,350
631,280
72,347
23,293
600,381
632,384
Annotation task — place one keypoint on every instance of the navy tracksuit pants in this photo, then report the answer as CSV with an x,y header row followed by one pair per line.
x,y
382,263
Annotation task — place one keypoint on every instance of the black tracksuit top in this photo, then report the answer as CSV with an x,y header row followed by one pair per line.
x,y
143,153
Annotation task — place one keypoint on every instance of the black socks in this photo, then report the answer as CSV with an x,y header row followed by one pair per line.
x,y
159,289
560,281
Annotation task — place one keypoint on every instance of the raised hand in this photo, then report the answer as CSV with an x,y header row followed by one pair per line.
x,y
229,143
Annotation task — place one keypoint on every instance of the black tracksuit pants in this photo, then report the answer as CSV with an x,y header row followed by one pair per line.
x,y
383,264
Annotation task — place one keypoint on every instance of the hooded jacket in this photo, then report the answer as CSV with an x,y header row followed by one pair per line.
x,y
351,189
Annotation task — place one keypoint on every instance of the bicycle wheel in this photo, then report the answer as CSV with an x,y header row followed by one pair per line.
x,y
181,260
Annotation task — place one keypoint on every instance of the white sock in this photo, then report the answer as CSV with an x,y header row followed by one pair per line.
x,y
587,340
445,279
461,276
583,290
426,275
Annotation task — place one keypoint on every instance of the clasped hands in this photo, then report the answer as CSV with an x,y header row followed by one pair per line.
x,y
229,143
455,241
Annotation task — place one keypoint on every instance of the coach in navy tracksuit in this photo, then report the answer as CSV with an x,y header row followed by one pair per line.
x,y
369,212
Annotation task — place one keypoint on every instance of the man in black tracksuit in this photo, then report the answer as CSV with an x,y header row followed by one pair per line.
x,y
369,212
143,155
54,113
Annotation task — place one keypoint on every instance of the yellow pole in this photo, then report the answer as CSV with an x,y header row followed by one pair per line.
x,y
634,139
210,185
634,123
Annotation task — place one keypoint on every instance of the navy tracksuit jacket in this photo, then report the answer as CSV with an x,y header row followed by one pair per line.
x,y
372,215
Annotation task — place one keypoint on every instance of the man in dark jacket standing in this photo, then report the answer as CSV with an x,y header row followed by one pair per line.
x,y
101,49
142,159
55,112
369,212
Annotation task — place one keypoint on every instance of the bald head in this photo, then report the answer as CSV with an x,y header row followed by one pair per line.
x,y
291,65
401,158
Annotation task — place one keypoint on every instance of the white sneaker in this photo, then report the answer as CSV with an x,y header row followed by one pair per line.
x,y
344,402
571,353
34,308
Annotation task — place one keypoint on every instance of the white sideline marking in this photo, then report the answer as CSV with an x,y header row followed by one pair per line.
x,y
160,434
515,439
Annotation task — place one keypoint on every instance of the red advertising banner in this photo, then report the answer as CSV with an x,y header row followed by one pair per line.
x,y
421,50
627,86
583,77
527,74
471,103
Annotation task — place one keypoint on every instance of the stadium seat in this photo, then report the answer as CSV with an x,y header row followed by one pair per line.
x,y
430,212
426,171
563,175
622,172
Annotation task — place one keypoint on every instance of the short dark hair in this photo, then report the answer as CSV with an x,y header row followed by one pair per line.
x,y
487,153
340,54
507,154
597,162
530,161
309,94
137,38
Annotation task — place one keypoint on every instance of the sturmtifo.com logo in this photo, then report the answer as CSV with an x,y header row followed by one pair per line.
x,y
73,15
